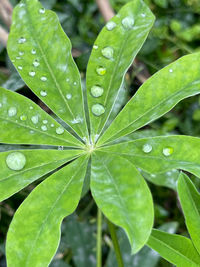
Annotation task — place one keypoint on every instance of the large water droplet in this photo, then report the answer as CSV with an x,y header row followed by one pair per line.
x,y
36,63
107,52
16,161
68,96
44,128
128,22
98,109
147,148
97,91
111,25
42,10
32,73
43,78
168,151
33,51
35,119
23,117
43,93
101,70
60,130
21,40
12,111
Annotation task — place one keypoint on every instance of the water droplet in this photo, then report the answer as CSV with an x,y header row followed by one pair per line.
x,y
171,70
75,83
12,111
128,22
43,93
44,128
21,40
35,119
68,96
60,147
16,161
33,51
19,67
21,4
36,63
45,121
67,80
111,25
101,71
23,117
21,53
95,47
32,73
52,125
168,151
42,10
60,130
18,58
31,132
43,78
97,91
147,148
143,15
153,175
107,52
98,109
31,107
0,105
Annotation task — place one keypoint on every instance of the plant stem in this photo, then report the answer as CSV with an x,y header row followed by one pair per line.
x,y
112,230
99,238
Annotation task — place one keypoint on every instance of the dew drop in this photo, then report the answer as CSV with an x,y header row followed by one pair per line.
x,y
33,51
60,147
16,161
35,119
0,105
170,70
31,107
60,130
43,93
31,132
167,151
19,67
75,83
21,40
36,63
42,10
21,53
147,148
21,4
12,111
43,78
143,15
23,117
44,128
45,121
128,22
95,47
110,25
101,70
97,91
18,58
68,96
67,80
32,73
52,125
98,109
107,52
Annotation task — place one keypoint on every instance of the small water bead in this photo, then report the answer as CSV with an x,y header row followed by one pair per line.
x,y
43,78
45,121
170,70
33,51
42,10
36,63
143,15
31,107
20,67
32,73
60,147
52,125
147,148
16,161
168,151
43,93
68,96
98,109
21,40
110,25
21,53
67,80
12,111
95,47
18,58
60,130
75,83
107,52
44,128
76,120
97,91
23,117
128,22
0,105
35,119
101,70
31,132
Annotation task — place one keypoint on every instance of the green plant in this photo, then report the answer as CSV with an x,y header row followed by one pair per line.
x,y
40,51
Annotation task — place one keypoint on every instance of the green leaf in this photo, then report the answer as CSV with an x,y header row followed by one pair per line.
x,y
162,153
176,249
123,196
190,203
157,96
41,52
38,163
34,233
112,54
27,123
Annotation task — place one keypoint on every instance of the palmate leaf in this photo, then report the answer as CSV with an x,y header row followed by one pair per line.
x,y
156,96
112,54
123,196
41,52
176,249
27,123
160,154
34,233
38,163
190,203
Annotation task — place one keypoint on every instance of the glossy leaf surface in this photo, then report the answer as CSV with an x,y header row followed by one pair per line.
x,y
156,96
112,54
41,52
34,233
38,163
27,123
166,153
176,249
190,203
123,196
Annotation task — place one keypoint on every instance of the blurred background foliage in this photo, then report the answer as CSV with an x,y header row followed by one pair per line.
x,y
176,33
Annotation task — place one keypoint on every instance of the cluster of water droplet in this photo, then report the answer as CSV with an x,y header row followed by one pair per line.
x,y
167,151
